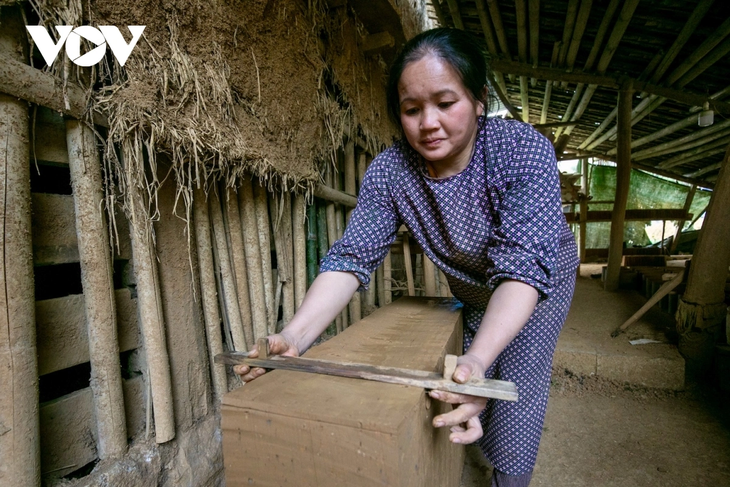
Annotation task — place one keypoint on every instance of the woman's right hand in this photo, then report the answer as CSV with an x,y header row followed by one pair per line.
x,y
279,344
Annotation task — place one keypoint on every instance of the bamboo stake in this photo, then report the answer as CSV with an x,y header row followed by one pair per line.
x,y
299,235
149,303
98,287
262,222
232,220
228,279
311,243
281,210
254,258
355,305
387,280
19,443
208,291
408,264
429,276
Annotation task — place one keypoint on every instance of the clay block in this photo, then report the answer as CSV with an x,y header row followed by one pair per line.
x,y
293,428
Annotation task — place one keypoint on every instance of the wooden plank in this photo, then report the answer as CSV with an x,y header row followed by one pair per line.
x,y
631,215
53,225
68,429
290,428
61,330
489,388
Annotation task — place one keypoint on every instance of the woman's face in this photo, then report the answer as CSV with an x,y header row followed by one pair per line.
x,y
438,113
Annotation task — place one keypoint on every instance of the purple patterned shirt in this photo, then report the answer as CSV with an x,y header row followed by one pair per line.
x,y
500,218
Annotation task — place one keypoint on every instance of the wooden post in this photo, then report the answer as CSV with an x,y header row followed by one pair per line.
x,y
281,213
702,306
355,305
623,178
680,223
262,222
254,258
232,218
299,235
429,276
149,300
98,286
387,280
408,264
311,243
583,209
206,270
19,443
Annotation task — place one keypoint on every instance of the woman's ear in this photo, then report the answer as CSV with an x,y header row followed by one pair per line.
x,y
482,110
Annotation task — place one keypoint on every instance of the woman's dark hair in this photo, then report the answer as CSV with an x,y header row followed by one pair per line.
x,y
458,48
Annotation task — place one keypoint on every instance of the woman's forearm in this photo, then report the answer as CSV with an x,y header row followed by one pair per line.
x,y
327,296
509,308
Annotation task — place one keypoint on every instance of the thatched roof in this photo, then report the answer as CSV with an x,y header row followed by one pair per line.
x,y
682,45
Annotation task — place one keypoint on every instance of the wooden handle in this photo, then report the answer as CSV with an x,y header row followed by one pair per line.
x,y
449,366
263,344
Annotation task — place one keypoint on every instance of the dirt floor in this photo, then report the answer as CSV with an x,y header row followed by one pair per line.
x,y
605,432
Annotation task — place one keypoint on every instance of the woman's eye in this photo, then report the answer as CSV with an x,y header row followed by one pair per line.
x,y
446,104
411,111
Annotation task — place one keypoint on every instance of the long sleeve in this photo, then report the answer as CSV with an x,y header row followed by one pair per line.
x,y
526,236
371,229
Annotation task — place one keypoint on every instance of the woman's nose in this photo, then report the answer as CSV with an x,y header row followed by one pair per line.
x,y
429,119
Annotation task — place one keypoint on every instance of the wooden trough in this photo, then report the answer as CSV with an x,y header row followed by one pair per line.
x,y
293,428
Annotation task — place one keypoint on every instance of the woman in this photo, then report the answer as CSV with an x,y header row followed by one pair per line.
x,y
482,198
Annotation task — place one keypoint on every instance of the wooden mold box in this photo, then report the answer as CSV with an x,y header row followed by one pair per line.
x,y
299,429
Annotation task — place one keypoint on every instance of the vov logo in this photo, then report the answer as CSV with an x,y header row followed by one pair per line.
x,y
101,37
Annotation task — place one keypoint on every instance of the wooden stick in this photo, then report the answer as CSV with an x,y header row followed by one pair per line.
x,y
707,45
580,24
568,25
534,14
228,279
322,224
335,196
680,223
380,278
98,286
281,212
665,289
20,445
408,264
491,388
498,26
254,258
455,14
429,276
299,235
262,222
387,280
232,220
370,295
149,302
208,291
311,243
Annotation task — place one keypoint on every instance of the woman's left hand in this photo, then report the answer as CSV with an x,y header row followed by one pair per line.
x,y
464,419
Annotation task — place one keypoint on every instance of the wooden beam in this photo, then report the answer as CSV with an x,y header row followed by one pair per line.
x,y
549,85
521,17
568,25
719,53
439,13
622,23
534,13
668,130
705,170
687,142
665,289
707,45
642,110
498,27
598,216
571,105
525,98
554,124
487,28
689,28
455,14
580,26
614,82
597,132
623,178
701,152
503,97
601,34
328,194
585,190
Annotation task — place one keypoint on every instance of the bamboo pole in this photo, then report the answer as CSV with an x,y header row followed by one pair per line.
x,y
380,277
549,85
700,137
498,26
262,223
328,193
580,25
208,291
455,14
232,220
429,276
149,302
444,291
387,280
705,170
568,26
487,29
623,178
362,165
254,258
98,287
281,211
702,152
355,305
598,42
299,235
719,53
687,30
19,442
521,15
583,210
339,224
370,295
707,45
408,264
322,230
680,223
534,14
228,278
682,124
439,13
311,243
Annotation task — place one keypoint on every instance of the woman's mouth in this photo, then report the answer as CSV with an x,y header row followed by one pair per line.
x,y
431,143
